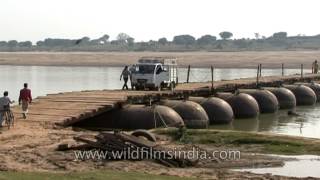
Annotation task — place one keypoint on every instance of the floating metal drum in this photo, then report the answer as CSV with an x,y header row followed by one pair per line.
x,y
135,117
193,115
218,110
267,101
315,87
286,99
243,105
304,94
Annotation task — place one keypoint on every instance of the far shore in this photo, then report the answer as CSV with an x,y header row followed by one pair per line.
x,y
246,59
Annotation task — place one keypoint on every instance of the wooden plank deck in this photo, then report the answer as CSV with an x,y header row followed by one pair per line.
x,y
64,109
69,107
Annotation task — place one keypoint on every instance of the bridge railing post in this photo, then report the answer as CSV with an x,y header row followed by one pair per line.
x,y
212,78
188,74
258,70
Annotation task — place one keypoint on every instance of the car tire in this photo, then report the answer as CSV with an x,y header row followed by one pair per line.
x,y
145,134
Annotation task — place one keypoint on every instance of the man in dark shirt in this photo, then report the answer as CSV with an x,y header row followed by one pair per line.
x,y
25,99
125,74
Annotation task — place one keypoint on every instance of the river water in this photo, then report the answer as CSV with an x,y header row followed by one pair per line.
x,y
302,166
50,79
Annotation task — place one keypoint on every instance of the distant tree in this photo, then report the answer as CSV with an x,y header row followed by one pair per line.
x,y
130,41
49,42
96,42
83,41
257,35
122,37
225,35
59,42
152,44
40,43
25,44
241,43
104,39
142,46
206,40
3,43
114,42
184,40
12,43
219,46
280,35
163,41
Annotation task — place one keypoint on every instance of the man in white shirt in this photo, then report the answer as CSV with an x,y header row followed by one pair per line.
x,y
4,105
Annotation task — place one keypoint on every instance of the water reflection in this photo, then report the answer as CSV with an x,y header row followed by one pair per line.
x,y
307,124
302,166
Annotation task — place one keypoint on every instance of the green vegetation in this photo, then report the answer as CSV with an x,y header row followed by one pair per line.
x,y
226,35
93,175
179,43
264,143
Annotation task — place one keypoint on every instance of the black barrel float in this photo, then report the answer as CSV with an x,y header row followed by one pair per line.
x,y
193,115
286,99
267,101
218,110
243,105
304,94
135,117
314,86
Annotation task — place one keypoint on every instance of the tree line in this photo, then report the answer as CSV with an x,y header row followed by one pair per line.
x,y
185,42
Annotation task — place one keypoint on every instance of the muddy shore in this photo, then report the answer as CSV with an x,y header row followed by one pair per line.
x,y
31,147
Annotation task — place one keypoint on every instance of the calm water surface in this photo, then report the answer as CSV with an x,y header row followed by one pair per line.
x,y
307,124
302,167
48,79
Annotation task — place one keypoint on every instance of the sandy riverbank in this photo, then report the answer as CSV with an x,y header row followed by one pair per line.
x,y
269,59
30,147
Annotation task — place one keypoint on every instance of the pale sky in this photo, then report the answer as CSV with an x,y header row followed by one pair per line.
x,y
152,19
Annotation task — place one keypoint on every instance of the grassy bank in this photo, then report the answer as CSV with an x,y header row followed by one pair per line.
x,y
96,175
250,142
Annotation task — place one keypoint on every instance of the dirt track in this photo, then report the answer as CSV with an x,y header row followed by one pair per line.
x,y
270,59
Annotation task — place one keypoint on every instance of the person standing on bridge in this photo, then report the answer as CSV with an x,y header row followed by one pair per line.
x,y
25,99
125,74
315,67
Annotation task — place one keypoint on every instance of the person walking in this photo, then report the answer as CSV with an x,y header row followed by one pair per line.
x,y
125,74
25,99
5,102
